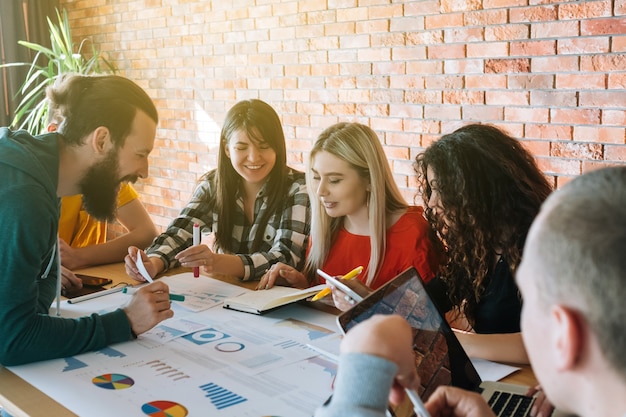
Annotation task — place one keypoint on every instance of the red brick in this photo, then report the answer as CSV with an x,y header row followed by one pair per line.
x,y
319,17
602,99
439,82
583,45
423,97
409,53
443,21
615,153
533,48
618,44
412,111
613,135
533,14
553,98
421,8
555,29
342,28
464,97
537,147
481,81
612,26
507,98
507,32
472,34
386,124
488,49
445,112
584,9
577,150
552,166
575,116
482,113
428,37
603,63
372,26
407,24
384,12
427,67
388,69
486,18
446,51
526,114
466,66
581,81
614,117
531,82
549,64
499,4
378,54
387,39
507,65
595,165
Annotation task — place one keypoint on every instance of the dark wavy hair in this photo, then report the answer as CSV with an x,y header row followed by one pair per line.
x,y
262,124
491,190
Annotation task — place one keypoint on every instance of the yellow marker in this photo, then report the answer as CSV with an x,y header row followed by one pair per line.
x,y
350,275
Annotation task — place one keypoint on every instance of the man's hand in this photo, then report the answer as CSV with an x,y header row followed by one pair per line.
x,y
389,337
449,401
149,306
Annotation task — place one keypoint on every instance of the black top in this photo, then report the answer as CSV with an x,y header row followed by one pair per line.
x,y
500,306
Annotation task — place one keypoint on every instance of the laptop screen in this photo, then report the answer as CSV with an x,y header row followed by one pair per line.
x,y
439,357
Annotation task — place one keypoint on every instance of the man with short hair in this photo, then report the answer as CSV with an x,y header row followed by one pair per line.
x,y
573,281
105,139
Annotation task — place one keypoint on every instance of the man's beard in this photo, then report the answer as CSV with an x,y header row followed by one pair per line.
x,y
99,187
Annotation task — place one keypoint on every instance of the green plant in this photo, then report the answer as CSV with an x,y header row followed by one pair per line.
x,y
48,64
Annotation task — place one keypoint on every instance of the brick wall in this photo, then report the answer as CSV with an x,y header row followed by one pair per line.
x,y
552,73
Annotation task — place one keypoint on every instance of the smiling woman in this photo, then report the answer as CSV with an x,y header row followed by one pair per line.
x,y
359,217
254,205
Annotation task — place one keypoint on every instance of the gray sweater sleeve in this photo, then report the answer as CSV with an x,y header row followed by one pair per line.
x,y
361,387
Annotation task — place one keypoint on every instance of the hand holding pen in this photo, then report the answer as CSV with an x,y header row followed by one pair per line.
x,y
350,275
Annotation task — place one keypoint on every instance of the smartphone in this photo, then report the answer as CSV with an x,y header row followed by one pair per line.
x,y
91,281
343,287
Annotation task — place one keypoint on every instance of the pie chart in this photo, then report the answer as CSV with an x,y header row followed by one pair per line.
x,y
113,381
164,409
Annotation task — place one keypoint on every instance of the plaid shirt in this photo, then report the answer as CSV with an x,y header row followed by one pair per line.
x,y
285,235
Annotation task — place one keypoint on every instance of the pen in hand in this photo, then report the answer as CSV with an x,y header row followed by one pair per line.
x,y
173,297
350,275
196,242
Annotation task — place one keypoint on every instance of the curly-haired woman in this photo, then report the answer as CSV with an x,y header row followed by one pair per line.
x,y
482,190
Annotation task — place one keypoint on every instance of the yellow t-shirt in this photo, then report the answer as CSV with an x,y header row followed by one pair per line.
x,y
78,228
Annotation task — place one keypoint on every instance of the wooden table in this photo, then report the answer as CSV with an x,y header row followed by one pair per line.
x,y
20,399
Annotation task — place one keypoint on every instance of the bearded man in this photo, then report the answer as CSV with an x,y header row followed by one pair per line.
x,y
105,139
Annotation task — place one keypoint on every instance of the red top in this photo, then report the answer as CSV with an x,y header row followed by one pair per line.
x,y
407,245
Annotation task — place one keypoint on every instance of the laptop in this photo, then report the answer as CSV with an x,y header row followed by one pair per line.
x,y
439,356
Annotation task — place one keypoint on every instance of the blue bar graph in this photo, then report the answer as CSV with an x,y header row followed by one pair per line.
x,y
221,397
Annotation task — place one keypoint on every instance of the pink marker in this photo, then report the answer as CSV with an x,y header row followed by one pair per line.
x,y
196,241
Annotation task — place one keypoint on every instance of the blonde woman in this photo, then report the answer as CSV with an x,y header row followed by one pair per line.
x,y
358,215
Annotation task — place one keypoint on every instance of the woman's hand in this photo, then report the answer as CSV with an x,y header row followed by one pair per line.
x,y
152,265
343,301
282,274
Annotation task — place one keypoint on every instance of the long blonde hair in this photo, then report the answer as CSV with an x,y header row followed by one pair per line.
x,y
360,147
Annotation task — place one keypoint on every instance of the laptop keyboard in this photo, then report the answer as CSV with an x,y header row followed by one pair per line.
x,y
505,404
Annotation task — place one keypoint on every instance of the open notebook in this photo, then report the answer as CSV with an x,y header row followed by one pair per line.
x,y
263,301
439,357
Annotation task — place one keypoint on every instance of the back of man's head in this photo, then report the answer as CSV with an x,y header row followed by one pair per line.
x,y
85,102
579,244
